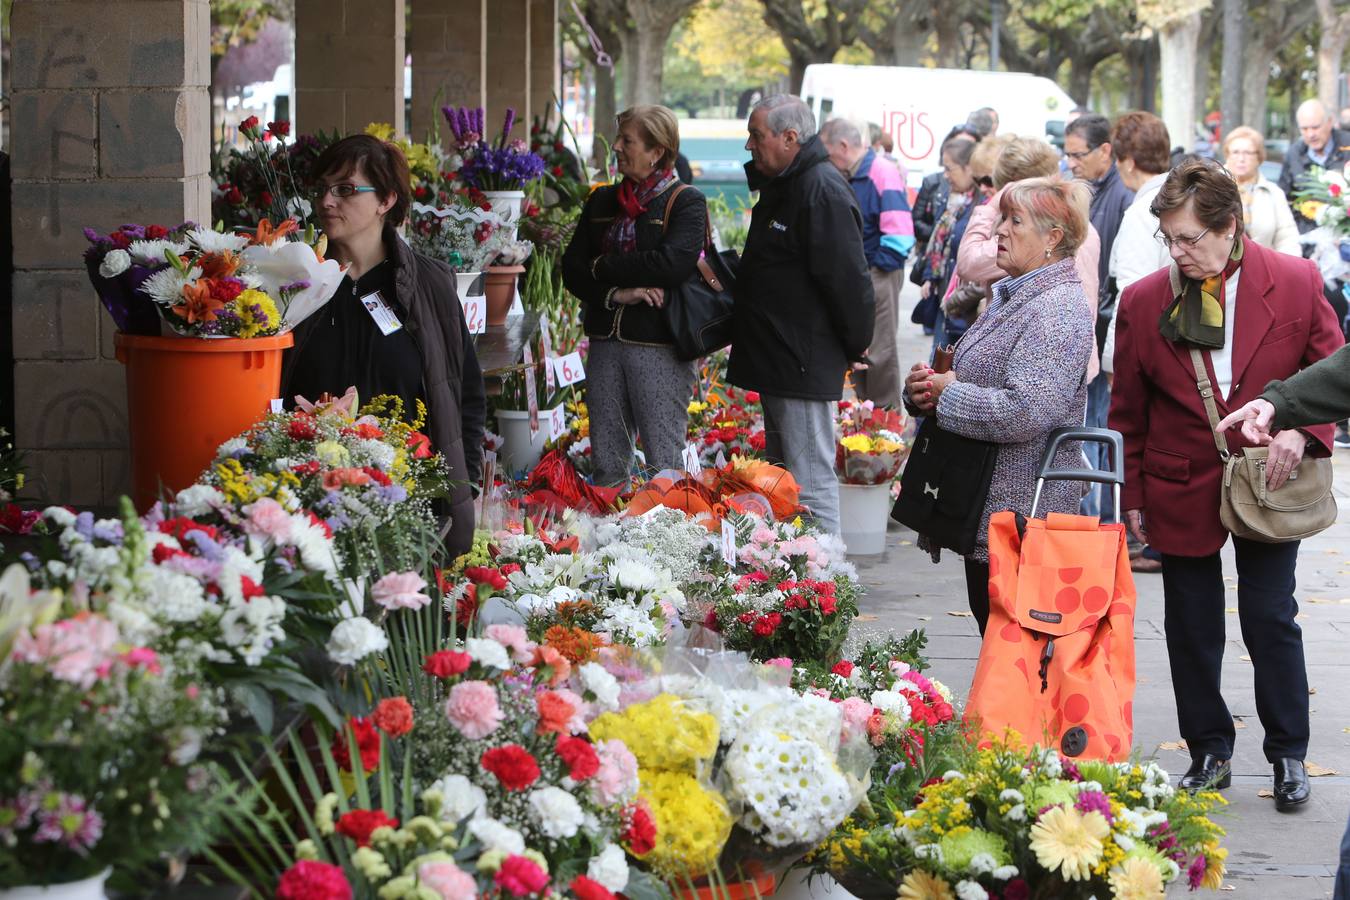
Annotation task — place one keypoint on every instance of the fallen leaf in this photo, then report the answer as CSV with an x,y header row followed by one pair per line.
x,y
959,613
865,618
1172,745
1227,887
1316,771
1245,658
924,618
906,543
1265,792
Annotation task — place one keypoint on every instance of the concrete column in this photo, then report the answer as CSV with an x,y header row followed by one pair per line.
x,y
111,125
545,63
509,33
446,40
348,64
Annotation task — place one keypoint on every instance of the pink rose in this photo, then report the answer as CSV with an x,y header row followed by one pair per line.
x,y
78,650
856,713
781,662
617,779
448,880
514,639
472,708
400,590
268,518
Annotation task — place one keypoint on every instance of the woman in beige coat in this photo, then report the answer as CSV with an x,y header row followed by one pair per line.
x,y
1266,216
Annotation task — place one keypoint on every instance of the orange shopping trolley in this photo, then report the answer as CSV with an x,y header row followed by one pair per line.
x,y
1057,663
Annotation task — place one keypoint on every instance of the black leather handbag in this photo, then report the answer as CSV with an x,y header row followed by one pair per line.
x,y
699,311
944,486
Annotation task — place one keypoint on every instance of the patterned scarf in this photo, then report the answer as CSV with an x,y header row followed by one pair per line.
x,y
942,232
1196,315
621,236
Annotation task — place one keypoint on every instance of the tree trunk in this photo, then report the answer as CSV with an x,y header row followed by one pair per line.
x,y
1255,85
907,42
1330,51
1178,53
1080,80
797,71
628,44
648,66
1231,77
1141,59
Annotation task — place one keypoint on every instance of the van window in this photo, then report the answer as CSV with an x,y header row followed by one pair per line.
x,y
826,107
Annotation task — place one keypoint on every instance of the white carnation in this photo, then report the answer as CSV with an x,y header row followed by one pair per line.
x,y
610,868
971,890
487,653
354,639
557,811
493,835
892,703
602,684
461,798
198,500
253,626
115,263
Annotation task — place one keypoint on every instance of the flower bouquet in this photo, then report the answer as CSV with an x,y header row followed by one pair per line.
x,y
461,229
271,178
870,449
1323,196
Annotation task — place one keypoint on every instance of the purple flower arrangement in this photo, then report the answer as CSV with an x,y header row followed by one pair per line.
x,y
502,164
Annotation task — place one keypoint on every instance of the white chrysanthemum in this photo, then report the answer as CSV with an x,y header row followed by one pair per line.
x,y
610,868
174,597
460,798
792,789
487,653
970,890
354,639
198,500
1011,795
632,575
1004,873
317,552
231,447
558,813
253,627
165,287
151,253
115,263
493,835
603,685
981,863
929,851
208,240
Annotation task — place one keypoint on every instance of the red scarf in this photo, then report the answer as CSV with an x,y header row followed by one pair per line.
x,y
621,236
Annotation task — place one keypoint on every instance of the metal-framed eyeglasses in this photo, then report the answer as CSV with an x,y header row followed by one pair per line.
x,y
1081,154
1184,241
342,191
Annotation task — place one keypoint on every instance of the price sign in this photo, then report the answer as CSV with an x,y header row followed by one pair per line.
x,y
691,463
728,543
475,314
557,422
569,368
277,406
547,346
531,398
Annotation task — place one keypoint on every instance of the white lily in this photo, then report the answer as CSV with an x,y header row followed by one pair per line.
x,y
286,262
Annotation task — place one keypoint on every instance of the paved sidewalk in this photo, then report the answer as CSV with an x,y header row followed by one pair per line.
x,y
1272,856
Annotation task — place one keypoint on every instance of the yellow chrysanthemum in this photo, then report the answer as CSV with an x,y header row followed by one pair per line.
x,y
1136,879
921,885
696,407
257,314
1069,842
858,443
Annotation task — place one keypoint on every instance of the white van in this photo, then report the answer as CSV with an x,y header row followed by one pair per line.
x,y
919,106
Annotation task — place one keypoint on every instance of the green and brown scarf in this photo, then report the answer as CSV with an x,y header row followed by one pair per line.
x,y
1196,315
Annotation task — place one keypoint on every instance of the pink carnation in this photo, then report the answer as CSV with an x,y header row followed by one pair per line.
x,y
521,876
448,880
267,517
400,590
617,779
781,662
473,709
78,650
856,713
514,639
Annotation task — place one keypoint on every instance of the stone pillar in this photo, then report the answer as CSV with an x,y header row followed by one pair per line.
x,y
509,27
446,40
111,125
545,63
348,64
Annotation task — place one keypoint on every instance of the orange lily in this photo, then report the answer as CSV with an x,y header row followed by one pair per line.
x,y
267,232
198,305
218,265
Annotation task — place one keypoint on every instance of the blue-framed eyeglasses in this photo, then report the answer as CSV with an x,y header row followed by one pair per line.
x,y
343,191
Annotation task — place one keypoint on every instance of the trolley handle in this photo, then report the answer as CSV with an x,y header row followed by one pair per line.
x,y
1115,476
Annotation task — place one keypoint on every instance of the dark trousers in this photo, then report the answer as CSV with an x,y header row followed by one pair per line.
x,y
1193,593
977,591
1342,891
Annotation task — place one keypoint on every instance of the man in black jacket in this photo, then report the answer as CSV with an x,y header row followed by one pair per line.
x,y
804,307
1320,145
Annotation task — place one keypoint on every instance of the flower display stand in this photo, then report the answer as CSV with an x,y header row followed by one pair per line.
x,y
795,886
90,888
509,206
863,513
520,449
750,889
186,397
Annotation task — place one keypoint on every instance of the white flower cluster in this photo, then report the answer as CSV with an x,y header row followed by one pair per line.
x,y
671,539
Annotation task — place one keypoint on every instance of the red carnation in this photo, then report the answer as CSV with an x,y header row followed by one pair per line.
x,y
710,620
280,128
509,568
359,823
521,876
394,716
586,889
120,239
367,743
156,232
557,171
164,552
302,428
746,618
843,668
307,469
827,604
767,624
225,289
640,835
486,575
446,663
248,124
579,755
752,396
234,197
313,880
513,765
250,588
181,526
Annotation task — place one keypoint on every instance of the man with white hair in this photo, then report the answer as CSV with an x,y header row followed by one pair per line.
x,y
804,308
888,237
1320,144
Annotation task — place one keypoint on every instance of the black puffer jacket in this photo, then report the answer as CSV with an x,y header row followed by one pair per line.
x,y
666,255
804,304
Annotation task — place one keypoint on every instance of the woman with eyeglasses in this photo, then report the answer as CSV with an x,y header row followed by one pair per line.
x,y
395,325
939,262
1265,209
1252,315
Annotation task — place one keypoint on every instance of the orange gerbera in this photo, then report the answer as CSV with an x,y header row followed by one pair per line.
x,y
198,305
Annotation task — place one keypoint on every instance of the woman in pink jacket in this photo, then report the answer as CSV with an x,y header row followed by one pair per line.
x,y
1021,158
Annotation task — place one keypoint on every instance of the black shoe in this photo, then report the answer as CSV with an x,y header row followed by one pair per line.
x,y
1208,772
1291,784
1342,437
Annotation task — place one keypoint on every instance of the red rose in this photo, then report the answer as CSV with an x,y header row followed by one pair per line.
x,y
558,147
827,604
752,396
557,171
359,823
766,625
446,663
520,876
313,880
234,196
281,128
367,743
586,889
579,755
156,232
394,716
420,445
513,765
640,835
486,575
843,668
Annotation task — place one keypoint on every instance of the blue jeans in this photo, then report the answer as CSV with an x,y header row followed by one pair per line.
x,y
1343,871
1097,501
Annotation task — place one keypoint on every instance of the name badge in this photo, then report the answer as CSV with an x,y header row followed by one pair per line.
x,y
379,310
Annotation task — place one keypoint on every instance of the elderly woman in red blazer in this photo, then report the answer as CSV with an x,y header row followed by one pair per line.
x,y
1255,315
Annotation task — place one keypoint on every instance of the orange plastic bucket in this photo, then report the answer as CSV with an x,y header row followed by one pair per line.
x,y
751,889
186,397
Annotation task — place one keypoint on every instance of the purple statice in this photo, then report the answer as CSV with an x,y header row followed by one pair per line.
x,y
294,287
1195,872
1094,801
891,773
260,318
391,493
69,820
109,531
84,525
135,232
1070,771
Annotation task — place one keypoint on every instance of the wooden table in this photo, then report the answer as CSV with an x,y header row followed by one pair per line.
x,y
500,349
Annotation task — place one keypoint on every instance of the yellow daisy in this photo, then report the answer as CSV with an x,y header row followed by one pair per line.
x,y
1069,842
1136,879
921,885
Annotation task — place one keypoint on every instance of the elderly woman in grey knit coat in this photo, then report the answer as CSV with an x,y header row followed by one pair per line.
x,y
1020,371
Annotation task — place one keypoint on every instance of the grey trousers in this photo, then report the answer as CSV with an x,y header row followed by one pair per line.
x,y
635,390
799,435
880,383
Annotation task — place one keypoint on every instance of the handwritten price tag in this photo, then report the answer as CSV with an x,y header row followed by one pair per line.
x,y
277,406
531,398
475,314
728,543
690,457
546,345
557,422
569,368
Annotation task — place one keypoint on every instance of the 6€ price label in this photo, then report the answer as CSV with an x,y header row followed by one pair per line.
x,y
569,368
557,422
475,314
728,543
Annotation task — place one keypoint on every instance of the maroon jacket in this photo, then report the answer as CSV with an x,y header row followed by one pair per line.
x,y
1172,469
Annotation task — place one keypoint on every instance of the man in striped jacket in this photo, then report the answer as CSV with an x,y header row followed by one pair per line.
x,y
888,237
